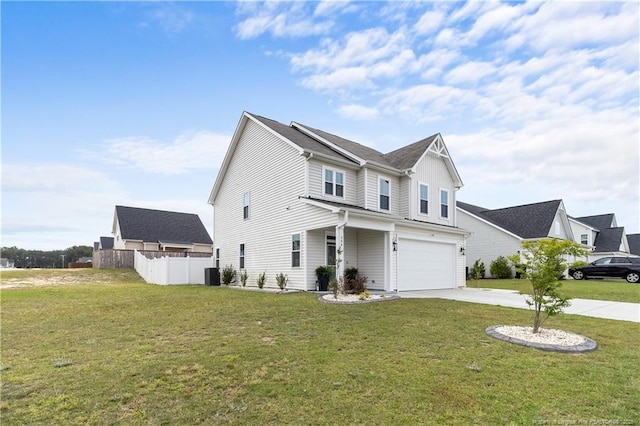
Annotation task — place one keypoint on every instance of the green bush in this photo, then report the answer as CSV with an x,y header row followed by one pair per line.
x,y
500,268
228,275
477,270
243,278
262,279
282,280
351,273
578,264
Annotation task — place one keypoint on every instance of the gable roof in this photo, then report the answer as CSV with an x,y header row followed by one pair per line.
x,y
160,226
609,239
526,221
600,221
316,141
634,243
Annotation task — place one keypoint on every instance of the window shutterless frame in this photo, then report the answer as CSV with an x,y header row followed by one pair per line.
x,y
295,250
242,256
245,205
384,193
333,182
444,203
423,198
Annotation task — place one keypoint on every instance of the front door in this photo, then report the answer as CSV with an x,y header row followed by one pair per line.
x,y
331,250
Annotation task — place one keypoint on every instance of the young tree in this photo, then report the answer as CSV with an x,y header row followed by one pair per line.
x,y
542,262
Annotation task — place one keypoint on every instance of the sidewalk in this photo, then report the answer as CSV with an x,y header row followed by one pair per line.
x,y
622,311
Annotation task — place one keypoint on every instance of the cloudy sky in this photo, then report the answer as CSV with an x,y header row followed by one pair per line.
x,y
129,103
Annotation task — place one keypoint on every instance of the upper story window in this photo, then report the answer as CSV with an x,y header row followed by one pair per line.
x,y
584,239
245,206
444,203
423,198
557,227
384,191
333,182
217,257
295,250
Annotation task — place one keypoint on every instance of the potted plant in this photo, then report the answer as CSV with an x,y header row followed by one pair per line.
x,y
323,273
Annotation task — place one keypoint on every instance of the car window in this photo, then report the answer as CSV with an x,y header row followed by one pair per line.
x,y
603,261
621,260
634,259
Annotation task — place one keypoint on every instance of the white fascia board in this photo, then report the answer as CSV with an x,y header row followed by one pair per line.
x,y
341,150
332,209
329,159
490,224
565,220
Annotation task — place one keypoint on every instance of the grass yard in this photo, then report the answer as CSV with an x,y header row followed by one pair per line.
x,y
119,351
617,290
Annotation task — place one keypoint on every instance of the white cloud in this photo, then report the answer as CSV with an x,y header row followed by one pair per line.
x,y
469,73
281,19
429,22
358,112
190,151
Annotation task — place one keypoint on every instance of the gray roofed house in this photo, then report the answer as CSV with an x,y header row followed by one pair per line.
x,y
501,232
600,221
290,198
106,243
609,238
147,229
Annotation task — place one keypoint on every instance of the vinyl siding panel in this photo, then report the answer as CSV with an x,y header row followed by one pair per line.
x,y
432,171
272,172
405,196
372,191
371,257
486,242
562,231
316,182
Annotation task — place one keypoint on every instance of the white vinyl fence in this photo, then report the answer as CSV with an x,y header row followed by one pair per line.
x,y
172,270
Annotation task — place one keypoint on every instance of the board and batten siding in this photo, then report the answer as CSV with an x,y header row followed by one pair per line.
x,y
432,170
486,241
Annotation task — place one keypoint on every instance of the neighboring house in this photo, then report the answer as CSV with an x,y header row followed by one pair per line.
x,y
145,229
6,263
634,243
106,243
291,198
609,239
501,232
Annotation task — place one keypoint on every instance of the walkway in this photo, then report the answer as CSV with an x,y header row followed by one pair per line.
x,y
622,311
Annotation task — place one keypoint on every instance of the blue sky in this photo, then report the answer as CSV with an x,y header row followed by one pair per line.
x,y
109,103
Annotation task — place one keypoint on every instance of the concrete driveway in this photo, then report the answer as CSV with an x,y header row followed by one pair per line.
x,y
622,311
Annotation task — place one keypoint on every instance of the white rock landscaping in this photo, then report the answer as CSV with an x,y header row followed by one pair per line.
x,y
547,339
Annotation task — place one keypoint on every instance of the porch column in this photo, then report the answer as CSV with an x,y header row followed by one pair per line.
x,y
339,251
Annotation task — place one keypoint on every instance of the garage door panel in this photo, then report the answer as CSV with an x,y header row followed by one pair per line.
x,y
425,265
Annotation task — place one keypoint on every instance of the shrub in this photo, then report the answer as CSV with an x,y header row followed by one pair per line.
x,y
355,285
477,270
500,268
243,278
262,279
364,295
578,264
228,275
282,280
351,273
334,287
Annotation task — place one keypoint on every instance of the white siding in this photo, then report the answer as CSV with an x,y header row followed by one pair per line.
x,y
371,258
433,171
486,242
372,191
316,182
271,170
558,229
405,196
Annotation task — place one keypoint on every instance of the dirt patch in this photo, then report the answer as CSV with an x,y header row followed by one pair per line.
x,y
25,278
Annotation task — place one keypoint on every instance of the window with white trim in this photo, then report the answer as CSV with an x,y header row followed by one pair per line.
x,y
423,198
241,256
245,206
333,182
295,251
218,257
384,192
444,203
557,227
584,239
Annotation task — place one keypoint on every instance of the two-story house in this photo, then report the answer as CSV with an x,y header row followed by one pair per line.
x,y
602,235
288,199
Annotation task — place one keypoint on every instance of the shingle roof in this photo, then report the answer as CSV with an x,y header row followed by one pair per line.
x,y
634,243
161,226
608,239
106,242
406,157
600,221
299,138
526,221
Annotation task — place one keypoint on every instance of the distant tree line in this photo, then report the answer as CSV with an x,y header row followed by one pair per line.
x,y
45,259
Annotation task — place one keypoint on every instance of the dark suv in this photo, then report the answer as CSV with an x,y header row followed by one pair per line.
x,y
616,267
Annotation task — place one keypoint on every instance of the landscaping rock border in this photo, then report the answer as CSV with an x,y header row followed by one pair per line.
x,y
587,346
386,297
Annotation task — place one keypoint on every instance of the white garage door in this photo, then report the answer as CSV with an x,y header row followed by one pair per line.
x,y
425,265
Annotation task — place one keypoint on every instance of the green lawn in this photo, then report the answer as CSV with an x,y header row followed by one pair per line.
x,y
123,352
617,290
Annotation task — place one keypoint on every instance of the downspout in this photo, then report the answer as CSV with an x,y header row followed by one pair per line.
x,y
309,156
